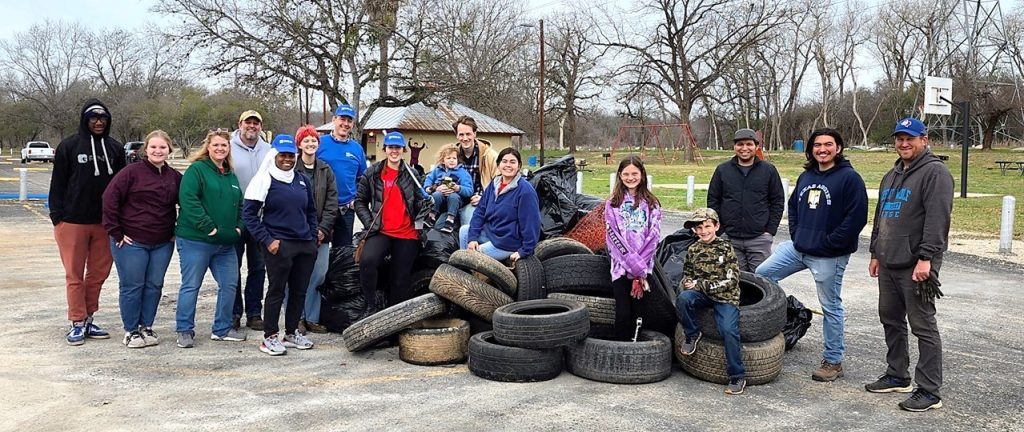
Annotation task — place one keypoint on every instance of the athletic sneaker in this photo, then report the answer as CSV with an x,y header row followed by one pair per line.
x,y
76,336
272,345
921,401
134,340
448,227
431,219
736,386
297,340
150,336
889,384
689,345
186,339
93,331
231,336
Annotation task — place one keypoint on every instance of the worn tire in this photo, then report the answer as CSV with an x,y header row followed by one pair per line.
x,y
529,279
578,274
473,261
376,327
657,307
420,281
489,360
762,311
558,246
601,309
467,291
761,360
541,324
434,342
645,361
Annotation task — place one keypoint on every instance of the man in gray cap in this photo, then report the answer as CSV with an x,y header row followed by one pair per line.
x,y
747,194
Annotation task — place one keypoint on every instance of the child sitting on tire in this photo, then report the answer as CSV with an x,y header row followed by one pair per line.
x,y
450,184
711,278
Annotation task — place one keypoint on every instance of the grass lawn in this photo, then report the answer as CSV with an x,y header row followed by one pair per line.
x,y
972,215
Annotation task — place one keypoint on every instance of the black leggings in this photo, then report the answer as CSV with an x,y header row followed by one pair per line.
x,y
627,309
290,267
403,254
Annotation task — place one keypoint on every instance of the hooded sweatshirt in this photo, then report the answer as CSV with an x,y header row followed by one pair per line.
x,y
83,165
632,236
827,211
246,161
511,218
913,212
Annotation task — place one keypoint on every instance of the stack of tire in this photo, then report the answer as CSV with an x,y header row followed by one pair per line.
x,y
762,318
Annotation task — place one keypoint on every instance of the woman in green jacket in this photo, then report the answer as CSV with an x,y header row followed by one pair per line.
x,y
209,224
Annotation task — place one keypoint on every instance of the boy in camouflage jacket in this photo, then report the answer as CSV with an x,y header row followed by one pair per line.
x,y
711,278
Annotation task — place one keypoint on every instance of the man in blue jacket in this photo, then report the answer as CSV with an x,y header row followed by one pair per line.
x,y
827,211
348,161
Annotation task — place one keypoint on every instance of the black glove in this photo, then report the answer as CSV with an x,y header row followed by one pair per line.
x,y
928,289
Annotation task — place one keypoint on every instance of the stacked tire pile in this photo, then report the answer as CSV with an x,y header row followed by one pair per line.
x,y
762,318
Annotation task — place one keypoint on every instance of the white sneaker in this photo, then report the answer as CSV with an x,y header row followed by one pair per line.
x,y
272,345
297,341
150,336
133,340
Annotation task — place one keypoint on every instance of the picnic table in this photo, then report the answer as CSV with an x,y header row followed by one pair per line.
x,y
582,165
1004,165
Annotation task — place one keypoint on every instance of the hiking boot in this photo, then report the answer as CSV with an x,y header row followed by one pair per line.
x,y
76,336
921,401
431,219
828,372
150,336
272,345
889,384
736,386
93,331
448,227
297,341
186,339
254,322
315,328
689,346
134,340
236,322
302,327
231,336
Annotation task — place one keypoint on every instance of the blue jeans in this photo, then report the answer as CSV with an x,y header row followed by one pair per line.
x,y
828,277
312,308
446,205
255,277
140,271
466,214
486,246
727,317
195,257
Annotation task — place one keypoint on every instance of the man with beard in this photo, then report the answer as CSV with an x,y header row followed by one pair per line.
x,y
248,148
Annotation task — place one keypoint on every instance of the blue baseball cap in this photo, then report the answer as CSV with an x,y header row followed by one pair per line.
x,y
284,144
394,139
910,126
345,110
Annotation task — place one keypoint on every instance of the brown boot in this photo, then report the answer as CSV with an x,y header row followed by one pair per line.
x,y
828,372
315,327
302,327
254,322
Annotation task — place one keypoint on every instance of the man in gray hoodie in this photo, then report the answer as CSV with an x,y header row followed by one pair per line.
x,y
910,233
247,152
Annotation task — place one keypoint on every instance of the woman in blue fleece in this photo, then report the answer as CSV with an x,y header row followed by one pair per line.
x,y
506,223
450,185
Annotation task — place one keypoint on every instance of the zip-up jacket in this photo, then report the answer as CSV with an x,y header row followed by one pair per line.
x,y
209,200
325,193
749,205
141,202
511,218
827,211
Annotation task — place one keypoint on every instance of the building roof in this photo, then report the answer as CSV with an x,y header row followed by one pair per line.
x,y
423,118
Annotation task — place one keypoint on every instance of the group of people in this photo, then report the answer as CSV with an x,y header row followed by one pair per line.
x,y
281,205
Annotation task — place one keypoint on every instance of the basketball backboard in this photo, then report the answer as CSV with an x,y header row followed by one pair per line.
x,y
937,91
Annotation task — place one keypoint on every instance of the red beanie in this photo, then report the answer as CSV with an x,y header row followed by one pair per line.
x,y
305,131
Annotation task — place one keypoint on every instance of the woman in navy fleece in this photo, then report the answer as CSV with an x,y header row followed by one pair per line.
x,y
506,223
287,229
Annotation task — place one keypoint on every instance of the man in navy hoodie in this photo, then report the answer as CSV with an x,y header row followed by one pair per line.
x,y
827,211
82,167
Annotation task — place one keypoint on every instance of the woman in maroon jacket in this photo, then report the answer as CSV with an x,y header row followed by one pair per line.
x,y
139,211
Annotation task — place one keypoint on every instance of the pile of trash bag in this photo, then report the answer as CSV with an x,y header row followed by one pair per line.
x,y
671,253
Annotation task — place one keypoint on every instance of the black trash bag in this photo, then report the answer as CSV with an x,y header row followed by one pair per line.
x,y
671,253
341,295
798,320
436,249
555,184
586,203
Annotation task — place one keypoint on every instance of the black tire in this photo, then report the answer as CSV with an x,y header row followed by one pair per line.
x,y
762,311
647,360
558,246
657,306
529,279
473,261
377,327
467,291
578,274
421,281
761,360
489,360
601,309
541,324
434,342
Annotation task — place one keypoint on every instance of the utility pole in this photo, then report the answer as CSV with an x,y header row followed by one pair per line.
x,y
541,107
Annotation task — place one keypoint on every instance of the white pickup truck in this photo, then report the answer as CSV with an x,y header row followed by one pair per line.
x,y
37,150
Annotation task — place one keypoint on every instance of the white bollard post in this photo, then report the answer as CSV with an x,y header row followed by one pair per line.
x,y
611,183
689,191
650,183
1006,225
785,194
23,188
579,182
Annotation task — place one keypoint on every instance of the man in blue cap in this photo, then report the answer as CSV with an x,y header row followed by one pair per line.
x,y
910,233
348,161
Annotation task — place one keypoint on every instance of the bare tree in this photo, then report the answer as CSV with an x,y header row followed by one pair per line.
x,y
573,73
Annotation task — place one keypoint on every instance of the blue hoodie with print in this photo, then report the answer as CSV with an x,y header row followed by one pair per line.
x,y
827,211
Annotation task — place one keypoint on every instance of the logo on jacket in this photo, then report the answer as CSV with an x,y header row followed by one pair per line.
x,y
892,201
633,218
814,193
350,155
83,158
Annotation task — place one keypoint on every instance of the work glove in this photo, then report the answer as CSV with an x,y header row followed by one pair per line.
x,y
928,289
639,287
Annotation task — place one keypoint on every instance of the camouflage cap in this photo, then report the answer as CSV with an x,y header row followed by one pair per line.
x,y
699,216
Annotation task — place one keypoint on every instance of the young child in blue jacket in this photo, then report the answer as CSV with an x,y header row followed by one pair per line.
x,y
450,184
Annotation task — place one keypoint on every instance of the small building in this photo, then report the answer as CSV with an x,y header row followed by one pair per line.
x,y
422,124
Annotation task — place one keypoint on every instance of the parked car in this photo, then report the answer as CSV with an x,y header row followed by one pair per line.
x,y
37,150
131,151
